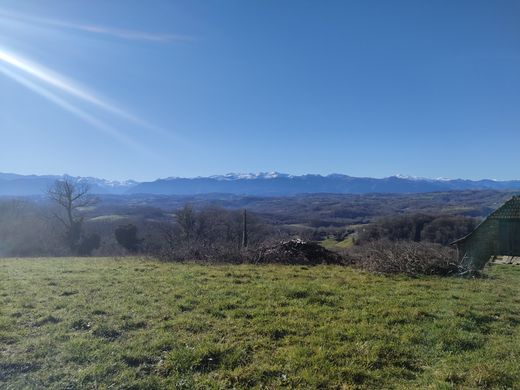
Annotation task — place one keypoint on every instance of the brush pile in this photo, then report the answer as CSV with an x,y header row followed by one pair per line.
x,y
295,251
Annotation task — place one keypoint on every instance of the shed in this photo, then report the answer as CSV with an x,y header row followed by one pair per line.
x,y
497,235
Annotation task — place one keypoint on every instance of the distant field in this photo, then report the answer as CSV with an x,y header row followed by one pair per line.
x,y
333,245
108,218
108,323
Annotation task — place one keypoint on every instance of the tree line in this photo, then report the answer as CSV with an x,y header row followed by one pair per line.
x,y
72,221
60,227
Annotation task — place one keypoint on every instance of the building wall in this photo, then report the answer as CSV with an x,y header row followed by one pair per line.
x,y
498,235
476,250
509,237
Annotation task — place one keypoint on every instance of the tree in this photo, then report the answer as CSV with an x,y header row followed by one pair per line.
x,y
88,243
186,219
211,234
71,197
446,229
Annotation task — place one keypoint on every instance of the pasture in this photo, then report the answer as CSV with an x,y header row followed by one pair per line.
x,y
134,323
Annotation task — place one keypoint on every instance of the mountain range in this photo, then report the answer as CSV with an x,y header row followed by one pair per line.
x,y
260,184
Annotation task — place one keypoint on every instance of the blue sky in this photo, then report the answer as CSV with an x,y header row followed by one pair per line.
x,y
146,89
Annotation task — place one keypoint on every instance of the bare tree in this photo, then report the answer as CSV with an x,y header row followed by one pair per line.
x,y
212,234
186,219
71,197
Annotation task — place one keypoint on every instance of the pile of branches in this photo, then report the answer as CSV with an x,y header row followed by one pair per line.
x,y
285,252
294,251
406,257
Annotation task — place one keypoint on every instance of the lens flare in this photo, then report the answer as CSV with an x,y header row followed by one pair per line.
x,y
61,83
65,85
100,125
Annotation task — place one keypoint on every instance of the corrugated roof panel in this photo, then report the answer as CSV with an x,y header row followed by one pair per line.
x,y
510,210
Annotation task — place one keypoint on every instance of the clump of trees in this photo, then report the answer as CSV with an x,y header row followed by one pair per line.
x,y
126,236
212,234
419,227
444,230
26,230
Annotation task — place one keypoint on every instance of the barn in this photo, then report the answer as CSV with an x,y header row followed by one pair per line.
x,y
497,235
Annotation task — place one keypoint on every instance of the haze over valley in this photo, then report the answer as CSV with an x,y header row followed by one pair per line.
x,y
261,184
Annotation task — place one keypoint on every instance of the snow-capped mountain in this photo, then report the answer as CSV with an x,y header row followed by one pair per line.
x,y
254,184
22,185
280,184
106,184
250,176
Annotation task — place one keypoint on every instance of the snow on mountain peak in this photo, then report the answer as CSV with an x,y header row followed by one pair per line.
x,y
407,177
420,178
250,176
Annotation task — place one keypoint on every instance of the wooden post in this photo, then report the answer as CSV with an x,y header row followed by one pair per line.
x,y
244,229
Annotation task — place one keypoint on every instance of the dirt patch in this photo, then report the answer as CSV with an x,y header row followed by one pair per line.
x,y
9,370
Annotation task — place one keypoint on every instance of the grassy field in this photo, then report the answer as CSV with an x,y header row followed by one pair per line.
x,y
130,323
332,245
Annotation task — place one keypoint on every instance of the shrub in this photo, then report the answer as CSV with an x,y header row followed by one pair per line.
x,y
88,244
126,236
407,257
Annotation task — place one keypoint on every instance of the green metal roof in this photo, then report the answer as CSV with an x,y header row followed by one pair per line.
x,y
510,210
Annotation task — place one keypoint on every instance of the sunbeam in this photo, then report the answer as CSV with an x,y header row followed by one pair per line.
x,y
97,29
100,125
62,83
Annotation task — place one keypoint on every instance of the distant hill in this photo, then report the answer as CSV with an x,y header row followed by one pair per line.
x,y
262,184
276,184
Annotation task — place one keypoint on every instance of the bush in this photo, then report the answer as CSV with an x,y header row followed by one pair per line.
x,y
407,257
88,244
126,236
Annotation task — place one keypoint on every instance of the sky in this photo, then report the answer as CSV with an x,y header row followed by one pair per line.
x,y
130,89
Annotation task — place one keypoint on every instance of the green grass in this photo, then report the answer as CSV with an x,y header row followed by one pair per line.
x,y
108,218
333,245
130,323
